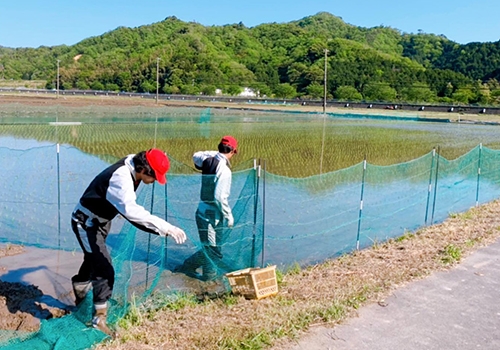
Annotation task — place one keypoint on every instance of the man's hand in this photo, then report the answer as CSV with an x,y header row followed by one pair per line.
x,y
177,234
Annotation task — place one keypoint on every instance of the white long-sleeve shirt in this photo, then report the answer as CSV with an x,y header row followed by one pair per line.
x,y
112,192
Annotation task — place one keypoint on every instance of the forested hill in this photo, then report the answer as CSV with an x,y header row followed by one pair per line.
x,y
277,59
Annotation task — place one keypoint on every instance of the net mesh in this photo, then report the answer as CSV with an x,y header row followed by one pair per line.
x,y
278,219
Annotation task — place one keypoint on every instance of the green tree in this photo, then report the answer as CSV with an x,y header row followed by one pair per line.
x,y
171,90
208,90
348,93
112,87
66,85
464,95
417,92
147,86
189,89
81,85
233,90
261,89
481,93
426,49
379,92
315,90
97,85
285,91
494,87
267,56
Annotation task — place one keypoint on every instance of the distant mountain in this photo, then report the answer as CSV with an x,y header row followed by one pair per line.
x,y
280,59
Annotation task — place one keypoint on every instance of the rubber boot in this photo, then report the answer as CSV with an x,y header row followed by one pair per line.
x,y
191,264
212,255
80,289
99,322
209,271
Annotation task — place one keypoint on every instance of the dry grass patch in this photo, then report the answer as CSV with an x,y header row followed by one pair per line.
x,y
326,293
10,249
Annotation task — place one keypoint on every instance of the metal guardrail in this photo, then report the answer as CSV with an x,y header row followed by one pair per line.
x,y
466,109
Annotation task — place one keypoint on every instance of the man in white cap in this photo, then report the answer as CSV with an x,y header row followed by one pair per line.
x,y
213,211
112,192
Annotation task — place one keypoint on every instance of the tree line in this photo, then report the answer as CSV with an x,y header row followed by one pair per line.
x,y
284,60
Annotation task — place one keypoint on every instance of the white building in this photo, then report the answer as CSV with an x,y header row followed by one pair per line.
x,y
247,92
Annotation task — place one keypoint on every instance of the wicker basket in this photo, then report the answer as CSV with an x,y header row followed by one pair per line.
x,y
254,283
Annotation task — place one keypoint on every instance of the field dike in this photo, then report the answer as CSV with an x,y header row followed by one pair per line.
x,y
324,294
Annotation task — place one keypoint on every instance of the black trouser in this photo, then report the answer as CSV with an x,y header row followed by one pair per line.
x,y
96,267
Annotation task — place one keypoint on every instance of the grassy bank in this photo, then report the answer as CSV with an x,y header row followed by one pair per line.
x,y
323,294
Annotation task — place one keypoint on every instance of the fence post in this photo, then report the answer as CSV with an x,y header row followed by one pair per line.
x,y
156,128
430,185
58,164
58,207
435,186
165,242
255,202
478,173
361,203
149,237
263,211
58,199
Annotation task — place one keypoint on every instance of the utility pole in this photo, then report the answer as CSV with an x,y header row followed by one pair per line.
x,y
57,80
157,76
324,79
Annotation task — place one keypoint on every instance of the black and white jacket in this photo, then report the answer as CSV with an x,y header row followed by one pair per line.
x,y
112,192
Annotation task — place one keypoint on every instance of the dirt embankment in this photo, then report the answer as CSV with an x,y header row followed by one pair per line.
x,y
125,101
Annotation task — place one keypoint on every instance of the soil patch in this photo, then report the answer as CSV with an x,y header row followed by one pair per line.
x,y
20,308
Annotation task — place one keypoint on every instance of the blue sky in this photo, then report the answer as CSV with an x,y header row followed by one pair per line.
x,y
32,23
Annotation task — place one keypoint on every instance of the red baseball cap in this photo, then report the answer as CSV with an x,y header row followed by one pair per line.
x,y
230,141
159,162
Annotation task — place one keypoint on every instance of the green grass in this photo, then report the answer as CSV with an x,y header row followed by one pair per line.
x,y
405,236
31,84
157,302
451,254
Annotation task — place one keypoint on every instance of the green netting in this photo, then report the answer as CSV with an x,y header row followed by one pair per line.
x,y
69,332
278,219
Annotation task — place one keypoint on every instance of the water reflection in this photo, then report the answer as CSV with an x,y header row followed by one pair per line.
x,y
21,144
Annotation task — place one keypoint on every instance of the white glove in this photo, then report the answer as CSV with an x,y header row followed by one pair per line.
x,y
230,221
177,234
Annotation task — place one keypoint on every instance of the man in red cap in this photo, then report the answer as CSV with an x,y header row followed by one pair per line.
x,y
112,192
213,211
